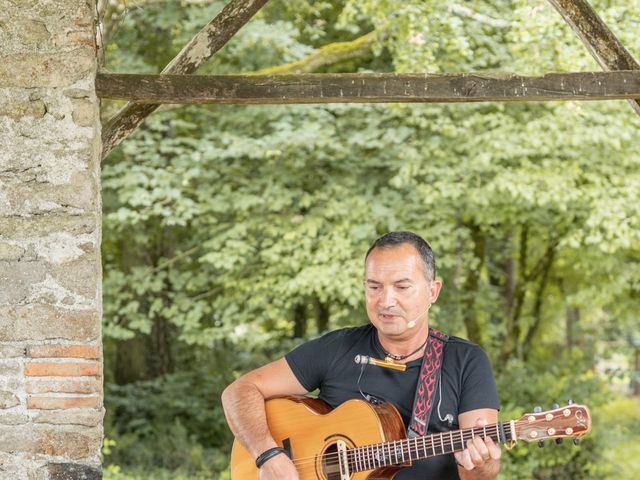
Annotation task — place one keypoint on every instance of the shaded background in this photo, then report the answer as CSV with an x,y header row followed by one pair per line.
x,y
232,233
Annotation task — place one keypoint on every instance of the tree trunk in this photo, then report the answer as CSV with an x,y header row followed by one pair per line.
x,y
472,284
131,361
299,320
161,347
322,316
572,318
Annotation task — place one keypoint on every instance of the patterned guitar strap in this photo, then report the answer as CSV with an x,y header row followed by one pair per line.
x,y
427,383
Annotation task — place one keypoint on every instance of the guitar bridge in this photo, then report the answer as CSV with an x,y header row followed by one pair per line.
x,y
343,460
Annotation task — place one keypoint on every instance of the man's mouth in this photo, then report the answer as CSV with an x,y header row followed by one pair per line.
x,y
387,316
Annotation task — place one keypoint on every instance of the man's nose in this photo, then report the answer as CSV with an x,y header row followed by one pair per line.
x,y
387,298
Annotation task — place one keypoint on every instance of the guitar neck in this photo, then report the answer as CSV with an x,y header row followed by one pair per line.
x,y
378,455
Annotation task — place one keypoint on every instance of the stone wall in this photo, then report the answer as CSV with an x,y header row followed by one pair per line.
x,y
50,218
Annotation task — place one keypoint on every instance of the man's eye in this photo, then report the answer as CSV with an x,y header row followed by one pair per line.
x,y
403,287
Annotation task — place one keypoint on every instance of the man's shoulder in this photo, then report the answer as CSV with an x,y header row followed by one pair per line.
x,y
462,346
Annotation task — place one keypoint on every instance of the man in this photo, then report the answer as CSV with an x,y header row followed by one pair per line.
x,y
400,286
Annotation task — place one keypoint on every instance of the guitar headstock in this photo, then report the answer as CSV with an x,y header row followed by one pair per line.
x,y
571,421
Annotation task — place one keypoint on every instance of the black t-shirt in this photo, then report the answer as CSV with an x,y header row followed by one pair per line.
x,y
328,363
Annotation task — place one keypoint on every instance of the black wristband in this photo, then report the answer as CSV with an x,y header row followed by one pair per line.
x,y
266,455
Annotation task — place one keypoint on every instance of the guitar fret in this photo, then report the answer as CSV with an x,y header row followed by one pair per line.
x,y
375,455
365,457
396,452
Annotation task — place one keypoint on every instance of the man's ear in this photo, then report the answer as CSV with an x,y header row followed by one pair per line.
x,y
434,290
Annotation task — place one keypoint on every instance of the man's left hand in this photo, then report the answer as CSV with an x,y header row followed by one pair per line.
x,y
478,451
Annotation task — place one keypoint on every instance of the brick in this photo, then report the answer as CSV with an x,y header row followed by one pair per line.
x,y
63,385
51,369
40,321
87,418
8,399
64,351
63,403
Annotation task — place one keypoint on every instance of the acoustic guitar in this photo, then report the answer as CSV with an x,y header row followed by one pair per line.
x,y
359,440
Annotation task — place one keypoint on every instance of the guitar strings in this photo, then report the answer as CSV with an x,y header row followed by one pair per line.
x,y
407,446
362,456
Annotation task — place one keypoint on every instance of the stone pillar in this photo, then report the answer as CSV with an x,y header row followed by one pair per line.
x,y
50,218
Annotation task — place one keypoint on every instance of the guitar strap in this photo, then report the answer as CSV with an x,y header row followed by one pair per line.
x,y
427,383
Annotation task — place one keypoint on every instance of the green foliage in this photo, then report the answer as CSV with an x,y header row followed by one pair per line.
x,y
229,230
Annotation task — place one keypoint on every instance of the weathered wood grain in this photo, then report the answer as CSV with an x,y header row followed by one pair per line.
x,y
603,45
201,48
367,88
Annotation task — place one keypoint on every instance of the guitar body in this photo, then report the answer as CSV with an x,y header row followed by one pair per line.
x,y
309,428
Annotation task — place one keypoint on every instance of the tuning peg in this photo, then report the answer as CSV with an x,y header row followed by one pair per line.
x,y
558,441
576,441
537,409
569,402
554,406
541,444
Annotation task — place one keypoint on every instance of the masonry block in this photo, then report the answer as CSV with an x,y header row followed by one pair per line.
x,y
63,385
50,221
62,369
8,399
85,417
72,471
67,351
73,442
37,321
63,403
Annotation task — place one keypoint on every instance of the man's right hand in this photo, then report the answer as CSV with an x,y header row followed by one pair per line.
x,y
279,467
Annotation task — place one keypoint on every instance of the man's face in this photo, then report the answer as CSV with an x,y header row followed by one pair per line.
x,y
397,291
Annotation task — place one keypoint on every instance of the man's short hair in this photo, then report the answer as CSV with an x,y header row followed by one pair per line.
x,y
395,239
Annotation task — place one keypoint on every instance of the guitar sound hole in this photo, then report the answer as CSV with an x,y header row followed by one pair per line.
x,y
330,464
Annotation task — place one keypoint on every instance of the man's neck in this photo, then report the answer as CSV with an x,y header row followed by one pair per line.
x,y
404,346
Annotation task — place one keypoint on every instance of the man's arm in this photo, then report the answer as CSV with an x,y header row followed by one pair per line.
x,y
243,403
481,459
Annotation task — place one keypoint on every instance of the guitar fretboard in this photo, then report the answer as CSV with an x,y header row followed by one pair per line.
x,y
378,455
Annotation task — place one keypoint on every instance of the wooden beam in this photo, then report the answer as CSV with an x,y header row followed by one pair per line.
x,y
367,88
603,45
200,49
